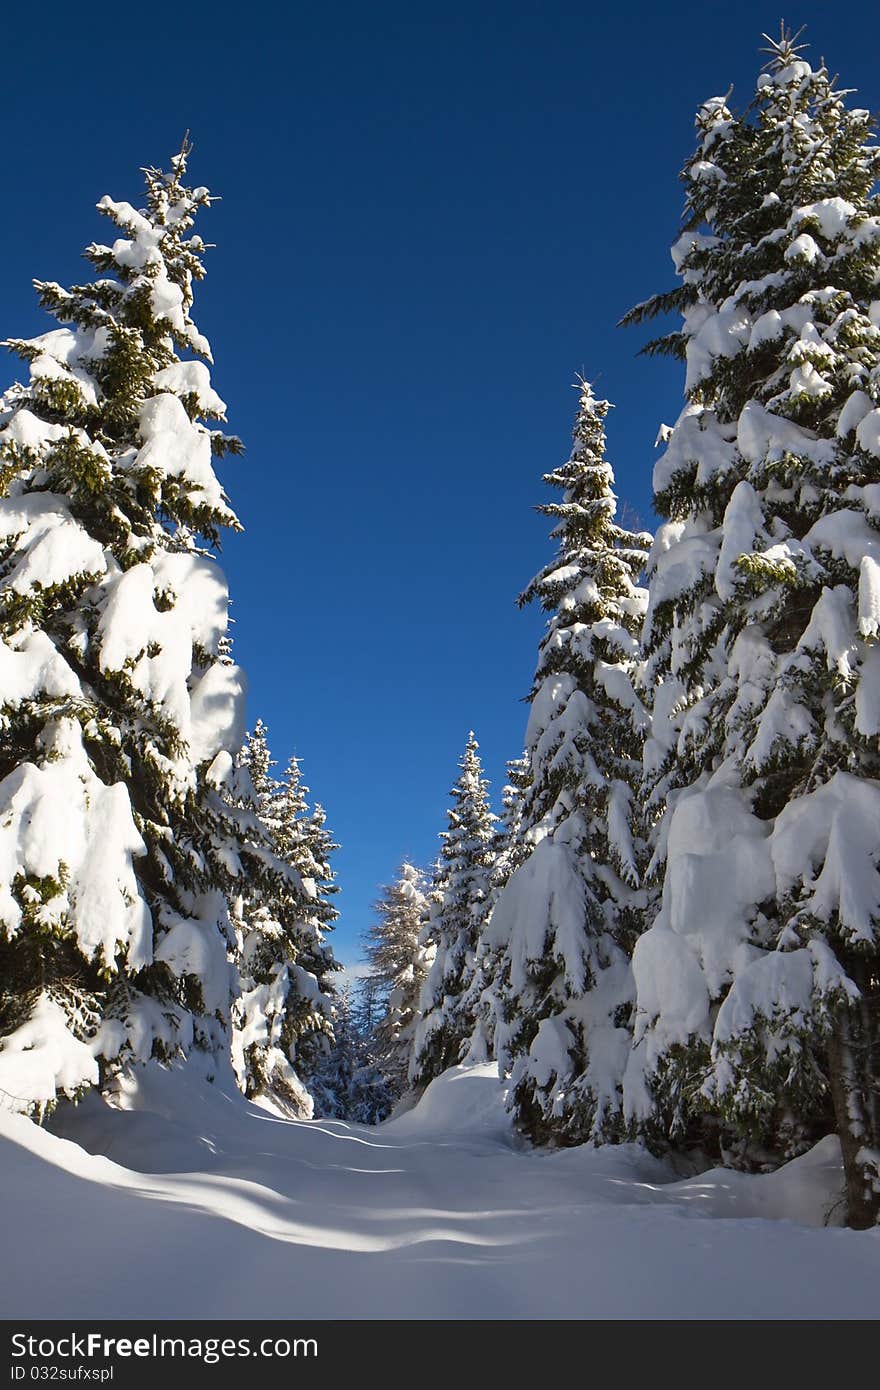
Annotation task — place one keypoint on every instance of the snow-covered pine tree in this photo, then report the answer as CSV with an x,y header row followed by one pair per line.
x,y
304,842
283,1015
348,1082
460,896
397,970
569,914
759,982
256,756
261,1066
513,845
483,1000
118,702
333,1075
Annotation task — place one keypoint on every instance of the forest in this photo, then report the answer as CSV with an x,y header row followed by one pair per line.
x,y
668,943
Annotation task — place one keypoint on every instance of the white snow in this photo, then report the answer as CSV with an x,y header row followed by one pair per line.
x,y
806,381
719,869
33,667
217,712
542,907
830,215
854,411
681,567
698,442
831,627
776,984
143,253
743,521
868,694
53,547
833,827
30,432
437,1214
803,248
151,645
797,71
762,435
722,333
191,379
60,821
43,1057
868,433
196,945
669,981
846,535
154,646
177,448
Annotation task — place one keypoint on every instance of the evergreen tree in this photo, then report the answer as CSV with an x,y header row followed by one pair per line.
x,y
348,1083
304,842
461,895
759,983
484,995
283,1015
513,845
256,757
118,853
333,1076
568,915
397,971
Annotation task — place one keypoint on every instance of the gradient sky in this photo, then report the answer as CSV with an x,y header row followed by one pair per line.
x,y
431,218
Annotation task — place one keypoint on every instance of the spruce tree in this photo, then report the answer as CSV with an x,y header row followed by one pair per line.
x,y
119,703
283,1015
304,842
348,1082
759,982
461,895
397,971
264,788
568,915
484,995
332,1079
513,845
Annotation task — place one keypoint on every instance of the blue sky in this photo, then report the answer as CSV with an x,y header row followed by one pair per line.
x,y
431,218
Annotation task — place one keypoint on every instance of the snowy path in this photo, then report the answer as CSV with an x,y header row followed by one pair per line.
x,y
234,1213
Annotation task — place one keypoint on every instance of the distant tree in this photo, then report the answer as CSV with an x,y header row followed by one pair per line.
x,y
461,895
304,842
567,917
348,1083
284,1013
397,971
483,1000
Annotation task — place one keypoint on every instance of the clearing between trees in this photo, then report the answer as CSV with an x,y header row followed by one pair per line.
x,y
440,1213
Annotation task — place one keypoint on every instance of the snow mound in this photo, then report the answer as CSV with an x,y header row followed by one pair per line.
x,y
461,1102
808,1190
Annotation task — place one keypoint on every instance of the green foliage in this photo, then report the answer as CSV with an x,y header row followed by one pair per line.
x,y
754,659
74,440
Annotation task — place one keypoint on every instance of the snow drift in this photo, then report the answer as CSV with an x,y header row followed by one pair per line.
x,y
440,1213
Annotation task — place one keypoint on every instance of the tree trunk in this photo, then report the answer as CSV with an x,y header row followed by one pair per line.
x,y
851,1056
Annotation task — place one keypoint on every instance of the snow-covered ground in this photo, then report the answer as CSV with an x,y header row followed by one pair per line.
x,y
189,1202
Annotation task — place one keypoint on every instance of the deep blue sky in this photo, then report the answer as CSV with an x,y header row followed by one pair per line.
x,y
432,217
